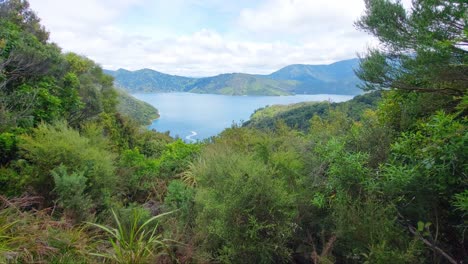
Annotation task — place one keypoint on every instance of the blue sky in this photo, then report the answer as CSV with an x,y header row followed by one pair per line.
x,y
206,37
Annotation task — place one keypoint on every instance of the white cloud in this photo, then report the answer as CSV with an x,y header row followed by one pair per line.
x,y
264,38
310,17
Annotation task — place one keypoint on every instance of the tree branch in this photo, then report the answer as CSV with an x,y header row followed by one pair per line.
x,y
431,245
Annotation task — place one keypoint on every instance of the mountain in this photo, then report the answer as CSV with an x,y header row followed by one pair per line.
x,y
242,84
147,80
336,78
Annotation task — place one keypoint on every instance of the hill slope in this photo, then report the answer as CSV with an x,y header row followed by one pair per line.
x,y
242,84
140,111
298,115
336,78
147,80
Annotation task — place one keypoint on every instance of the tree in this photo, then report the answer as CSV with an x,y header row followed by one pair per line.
x,y
425,49
20,13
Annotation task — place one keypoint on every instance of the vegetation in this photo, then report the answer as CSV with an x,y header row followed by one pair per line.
x,y
336,78
133,243
379,179
140,111
297,116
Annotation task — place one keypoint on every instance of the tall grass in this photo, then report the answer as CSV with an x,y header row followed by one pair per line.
x,y
6,239
32,236
134,243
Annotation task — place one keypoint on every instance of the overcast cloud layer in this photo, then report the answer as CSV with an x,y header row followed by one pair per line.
x,y
206,37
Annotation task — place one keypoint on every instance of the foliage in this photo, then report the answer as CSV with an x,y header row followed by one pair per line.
x,y
8,147
296,116
176,157
70,191
244,213
461,201
138,110
424,49
31,237
180,197
381,178
134,243
138,174
427,169
49,146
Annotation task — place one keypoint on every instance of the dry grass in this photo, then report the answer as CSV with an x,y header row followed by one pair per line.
x,y
33,236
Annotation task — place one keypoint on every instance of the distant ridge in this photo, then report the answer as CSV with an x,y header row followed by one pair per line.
x,y
335,78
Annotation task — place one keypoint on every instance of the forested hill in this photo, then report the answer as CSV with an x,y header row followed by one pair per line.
x,y
297,116
336,78
142,112
147,80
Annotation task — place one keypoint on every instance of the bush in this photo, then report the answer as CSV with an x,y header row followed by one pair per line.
x,y
137,174
176,157
50,146
70,190
8,147
244,213
137,242
180,197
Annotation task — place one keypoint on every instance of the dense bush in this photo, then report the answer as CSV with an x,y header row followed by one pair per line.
x,y
379,179
244,213
50,146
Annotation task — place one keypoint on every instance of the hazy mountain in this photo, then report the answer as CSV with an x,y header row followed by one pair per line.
x,y
336,78
242,84
147,80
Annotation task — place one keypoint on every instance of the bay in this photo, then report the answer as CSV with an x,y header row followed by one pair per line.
x,y
195,117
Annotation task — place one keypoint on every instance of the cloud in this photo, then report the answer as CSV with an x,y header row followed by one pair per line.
x,y
260,36
207,52
301,17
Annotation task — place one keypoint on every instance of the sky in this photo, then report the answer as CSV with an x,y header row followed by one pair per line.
x,y
206,37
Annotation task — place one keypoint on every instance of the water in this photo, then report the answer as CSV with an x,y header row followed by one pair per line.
x,y
195,117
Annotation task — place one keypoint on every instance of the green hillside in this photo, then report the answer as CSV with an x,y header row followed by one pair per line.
x,y
137,110
241,84
147,80
335,78
297,116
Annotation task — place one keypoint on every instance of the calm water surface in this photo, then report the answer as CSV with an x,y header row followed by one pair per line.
x,y
198,116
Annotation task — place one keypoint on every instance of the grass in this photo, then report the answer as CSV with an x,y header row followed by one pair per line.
x,y
137,242
33,236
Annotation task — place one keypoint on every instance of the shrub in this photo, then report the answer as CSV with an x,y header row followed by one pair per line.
x,y
134,243
180,197
70,190
244,213
49,146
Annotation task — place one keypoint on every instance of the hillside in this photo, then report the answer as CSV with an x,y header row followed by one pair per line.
x,y
242,84
298,115
137,110
147,80
336,78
